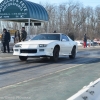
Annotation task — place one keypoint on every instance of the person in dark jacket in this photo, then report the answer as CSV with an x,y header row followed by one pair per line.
x,y
17,37
5,40
23,34
85,41
54,31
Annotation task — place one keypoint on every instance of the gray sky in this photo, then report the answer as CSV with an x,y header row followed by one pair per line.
x,y
92,3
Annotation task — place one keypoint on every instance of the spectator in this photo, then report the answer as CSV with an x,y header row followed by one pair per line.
x,y
23,34
85,41
17,37
5,40
54,31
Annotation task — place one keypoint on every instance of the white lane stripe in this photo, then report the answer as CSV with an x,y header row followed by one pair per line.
x,y
13,85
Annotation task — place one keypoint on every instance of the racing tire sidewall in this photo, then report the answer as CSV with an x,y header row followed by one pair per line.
x,y
73,53
55,54
23,58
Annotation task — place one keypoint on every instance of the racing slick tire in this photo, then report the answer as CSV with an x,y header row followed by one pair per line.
x,y
23,58
55,56
73,53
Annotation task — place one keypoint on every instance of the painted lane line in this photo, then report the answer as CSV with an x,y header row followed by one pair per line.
x,y
14,85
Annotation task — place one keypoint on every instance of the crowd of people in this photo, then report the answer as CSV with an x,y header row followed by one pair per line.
x,y
21,36
18,37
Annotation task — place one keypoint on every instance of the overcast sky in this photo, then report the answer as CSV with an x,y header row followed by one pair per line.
x,y
92,3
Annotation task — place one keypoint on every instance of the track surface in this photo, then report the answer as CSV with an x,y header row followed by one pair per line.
x,y
41,79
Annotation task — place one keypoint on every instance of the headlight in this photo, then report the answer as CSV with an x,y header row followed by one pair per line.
x,y
42,45
18,45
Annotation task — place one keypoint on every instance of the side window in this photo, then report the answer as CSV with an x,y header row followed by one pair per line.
x,y
65,37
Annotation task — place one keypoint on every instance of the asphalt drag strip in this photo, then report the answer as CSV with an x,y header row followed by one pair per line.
x,y
56,86
46,80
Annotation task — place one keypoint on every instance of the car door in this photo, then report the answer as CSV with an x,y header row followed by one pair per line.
x,y
66,45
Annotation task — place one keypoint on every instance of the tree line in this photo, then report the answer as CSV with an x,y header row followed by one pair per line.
x,y
69,18
73,18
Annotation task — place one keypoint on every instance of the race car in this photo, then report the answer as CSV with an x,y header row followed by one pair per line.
x,y
52,45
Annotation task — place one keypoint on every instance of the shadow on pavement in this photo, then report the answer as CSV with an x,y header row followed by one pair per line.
x,y
35,63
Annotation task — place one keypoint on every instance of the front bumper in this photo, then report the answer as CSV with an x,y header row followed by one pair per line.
x,y
39,53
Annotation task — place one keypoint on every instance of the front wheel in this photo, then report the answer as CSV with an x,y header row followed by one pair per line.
x,y
73,53
55,54
23,58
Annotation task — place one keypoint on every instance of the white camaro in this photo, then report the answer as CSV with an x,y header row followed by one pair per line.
x,y
53,45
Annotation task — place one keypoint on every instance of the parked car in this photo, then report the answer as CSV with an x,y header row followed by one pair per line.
x,y
93,43
11,44
51,45
90,43
79,42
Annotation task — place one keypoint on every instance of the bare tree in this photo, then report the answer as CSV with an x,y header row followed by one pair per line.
x,y
70,18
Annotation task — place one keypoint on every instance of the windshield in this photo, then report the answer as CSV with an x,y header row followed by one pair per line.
x,y
47,37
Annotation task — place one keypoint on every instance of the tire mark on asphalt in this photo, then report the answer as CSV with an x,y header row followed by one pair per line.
x,y
18,67
58,71
42,71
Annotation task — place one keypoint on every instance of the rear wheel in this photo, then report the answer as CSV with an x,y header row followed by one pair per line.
x,y
73,53
23,58
55,54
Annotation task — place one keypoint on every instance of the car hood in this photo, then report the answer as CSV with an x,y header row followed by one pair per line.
x,y
37,42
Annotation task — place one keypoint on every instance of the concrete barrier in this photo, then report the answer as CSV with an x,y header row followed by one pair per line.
x,y
90,92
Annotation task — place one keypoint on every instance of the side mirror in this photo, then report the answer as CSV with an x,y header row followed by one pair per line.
x,y
63,40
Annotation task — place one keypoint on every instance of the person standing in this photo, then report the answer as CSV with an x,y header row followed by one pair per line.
x,y
85,41
5,40
17,37
23,34
54,31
